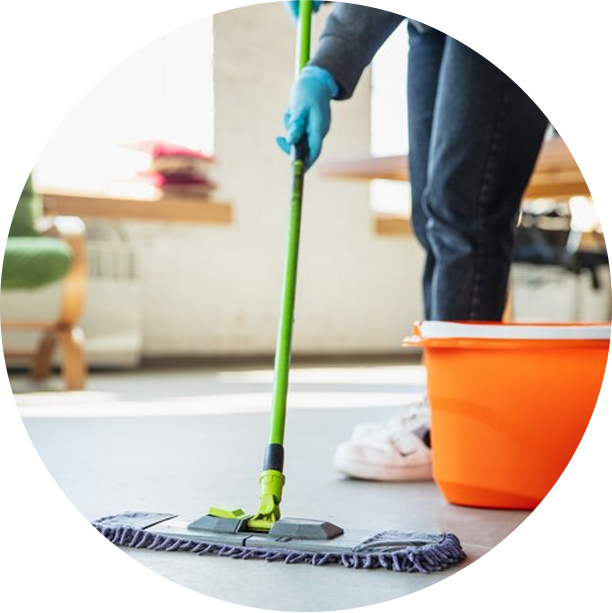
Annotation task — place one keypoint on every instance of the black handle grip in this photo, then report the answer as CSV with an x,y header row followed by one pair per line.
x,y
274,458
300,151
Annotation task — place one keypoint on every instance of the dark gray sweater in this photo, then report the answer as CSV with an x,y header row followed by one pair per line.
x,y
351,37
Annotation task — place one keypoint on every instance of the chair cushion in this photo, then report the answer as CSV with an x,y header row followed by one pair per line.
x,y
31,262
18,214
15,164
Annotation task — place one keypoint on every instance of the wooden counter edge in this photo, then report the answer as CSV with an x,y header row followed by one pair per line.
x,y
176,209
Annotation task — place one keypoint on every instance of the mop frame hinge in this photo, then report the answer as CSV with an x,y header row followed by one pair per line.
x,y
272,482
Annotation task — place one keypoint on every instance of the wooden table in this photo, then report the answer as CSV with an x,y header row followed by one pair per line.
x,y
153,207
556,175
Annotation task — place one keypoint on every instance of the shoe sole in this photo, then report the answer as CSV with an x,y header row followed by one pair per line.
x,y
367,472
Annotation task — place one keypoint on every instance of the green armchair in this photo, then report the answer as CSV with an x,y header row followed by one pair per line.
x,y
41,251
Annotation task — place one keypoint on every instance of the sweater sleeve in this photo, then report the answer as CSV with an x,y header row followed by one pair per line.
x,y
351,37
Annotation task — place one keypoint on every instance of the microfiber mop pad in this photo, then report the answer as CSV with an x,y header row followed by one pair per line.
x,y
408,552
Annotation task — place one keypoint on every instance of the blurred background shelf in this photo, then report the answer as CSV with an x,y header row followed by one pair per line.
x,y
153,207
556,176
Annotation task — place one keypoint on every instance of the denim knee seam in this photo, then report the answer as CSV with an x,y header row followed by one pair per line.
x,y
488,177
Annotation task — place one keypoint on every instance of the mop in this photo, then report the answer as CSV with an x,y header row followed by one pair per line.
x,y
264,535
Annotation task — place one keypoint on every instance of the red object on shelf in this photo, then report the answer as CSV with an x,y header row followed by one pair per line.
x,y
187,185
162,180
177,169
162,149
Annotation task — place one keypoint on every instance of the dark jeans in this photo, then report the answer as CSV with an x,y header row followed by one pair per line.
x,y
474,138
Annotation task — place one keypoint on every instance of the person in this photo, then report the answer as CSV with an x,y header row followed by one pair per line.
x,y
474,137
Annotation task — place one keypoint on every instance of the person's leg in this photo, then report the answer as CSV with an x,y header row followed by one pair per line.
x,y
481,146
424,61
398,450
486,136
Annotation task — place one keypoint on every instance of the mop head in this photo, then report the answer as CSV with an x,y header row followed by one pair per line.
x,y
408,552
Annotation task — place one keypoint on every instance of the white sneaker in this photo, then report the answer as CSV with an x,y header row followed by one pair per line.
x,y
389,451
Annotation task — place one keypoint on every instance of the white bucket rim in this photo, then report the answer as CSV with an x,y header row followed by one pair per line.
x,y
445,329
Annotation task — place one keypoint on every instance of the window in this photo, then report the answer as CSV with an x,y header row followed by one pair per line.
x,y
389,120
584,94
162,92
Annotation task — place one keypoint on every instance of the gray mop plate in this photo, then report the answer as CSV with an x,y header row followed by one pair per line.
x,y
175,526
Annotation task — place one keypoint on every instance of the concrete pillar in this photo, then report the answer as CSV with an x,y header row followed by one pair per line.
x,y
356,291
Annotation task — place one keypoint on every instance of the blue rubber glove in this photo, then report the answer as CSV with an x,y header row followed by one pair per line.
x,y
309,113
293,8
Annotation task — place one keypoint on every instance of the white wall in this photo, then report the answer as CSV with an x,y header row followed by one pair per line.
x,y
216,290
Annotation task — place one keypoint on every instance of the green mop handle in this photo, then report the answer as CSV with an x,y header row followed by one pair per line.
x,y
274,458
285,329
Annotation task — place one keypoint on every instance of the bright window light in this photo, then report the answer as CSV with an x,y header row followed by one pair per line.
x,y
389,114
584,94
162,92
389,120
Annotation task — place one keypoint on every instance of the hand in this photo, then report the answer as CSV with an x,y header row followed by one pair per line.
x,y
293,8
309,113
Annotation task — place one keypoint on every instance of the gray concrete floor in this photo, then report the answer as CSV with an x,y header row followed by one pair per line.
x,y
178,441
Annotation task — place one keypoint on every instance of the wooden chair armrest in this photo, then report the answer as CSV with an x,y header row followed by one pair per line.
x,y
72,231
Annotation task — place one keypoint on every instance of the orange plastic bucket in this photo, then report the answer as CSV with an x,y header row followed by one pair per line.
x,y
509,405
